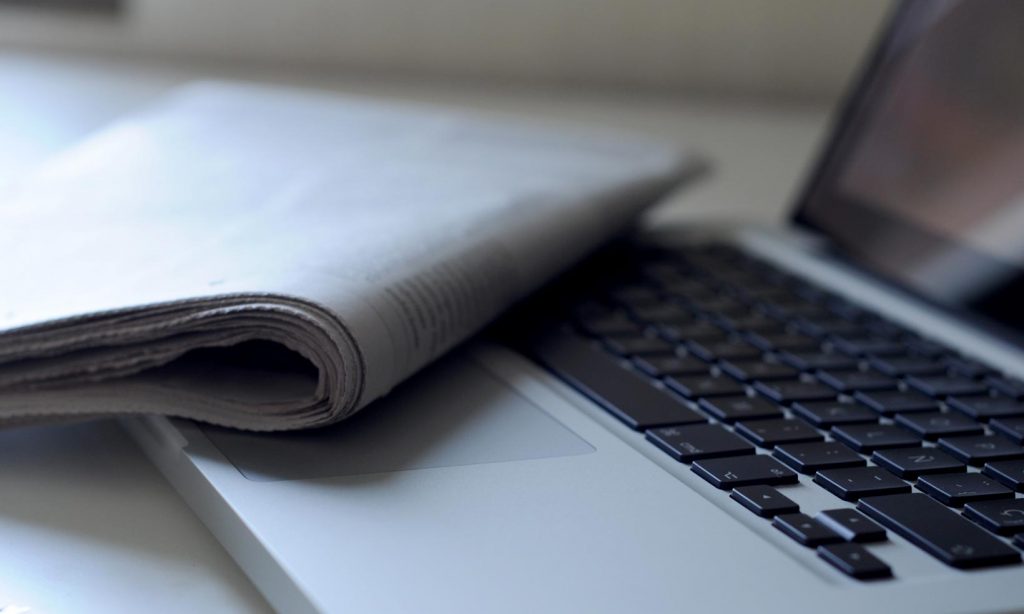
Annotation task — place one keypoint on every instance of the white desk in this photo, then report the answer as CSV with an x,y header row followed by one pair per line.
x,y
86,524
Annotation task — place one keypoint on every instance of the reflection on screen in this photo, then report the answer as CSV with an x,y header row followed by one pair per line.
x,y
943,146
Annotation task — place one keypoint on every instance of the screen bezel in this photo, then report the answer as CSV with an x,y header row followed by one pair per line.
x,y
998,310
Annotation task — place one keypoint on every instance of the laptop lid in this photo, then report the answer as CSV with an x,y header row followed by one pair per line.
x,y
922,180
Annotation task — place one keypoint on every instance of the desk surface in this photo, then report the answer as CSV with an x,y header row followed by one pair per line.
x,y
86,523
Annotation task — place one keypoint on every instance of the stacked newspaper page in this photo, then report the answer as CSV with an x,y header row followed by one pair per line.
x,y
269,258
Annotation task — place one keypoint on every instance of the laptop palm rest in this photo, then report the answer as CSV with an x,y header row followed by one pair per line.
x,y
454,413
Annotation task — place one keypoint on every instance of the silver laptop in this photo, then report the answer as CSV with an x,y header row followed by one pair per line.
x,y
825,417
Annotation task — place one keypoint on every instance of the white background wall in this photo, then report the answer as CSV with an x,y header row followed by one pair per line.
x,y
799,50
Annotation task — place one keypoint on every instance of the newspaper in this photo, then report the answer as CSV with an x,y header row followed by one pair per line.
x,y
269,258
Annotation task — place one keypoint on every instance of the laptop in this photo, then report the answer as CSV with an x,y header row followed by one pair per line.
x,y
826,416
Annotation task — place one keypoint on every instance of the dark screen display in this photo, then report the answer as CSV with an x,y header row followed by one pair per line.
x,y
924,179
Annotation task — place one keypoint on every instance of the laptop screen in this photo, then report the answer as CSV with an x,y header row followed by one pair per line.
x,y
923,180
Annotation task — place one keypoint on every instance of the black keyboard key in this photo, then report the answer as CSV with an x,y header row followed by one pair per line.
x,y
944,386
825,414
769,433
850,381
1009,473
698,441
628,395
788,392
735,471
806,530
1005,517
731,409
637,345
671,364
862,346
696,386
764,501
751,322
897,366
890,402
750,370
814,456
986,408
788,311
661,312
722,349
959,488
934,425
856,482
855,561
812,361
909,463
782,341
1005,385
824,327
870,437
938,530
852,526
981,449
1011,428
692,331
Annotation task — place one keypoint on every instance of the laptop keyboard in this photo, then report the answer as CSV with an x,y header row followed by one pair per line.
x,y
752,376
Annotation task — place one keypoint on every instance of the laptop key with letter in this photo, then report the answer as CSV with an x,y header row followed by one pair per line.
x,y
748,470
1009,473
956,489
814,456
981,449
698,441
910,463
856,482
870,437
769,433
731,409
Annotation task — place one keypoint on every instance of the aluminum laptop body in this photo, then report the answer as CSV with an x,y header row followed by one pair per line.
x,y
496,482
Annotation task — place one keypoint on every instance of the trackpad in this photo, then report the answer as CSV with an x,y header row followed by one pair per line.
x,y
454,413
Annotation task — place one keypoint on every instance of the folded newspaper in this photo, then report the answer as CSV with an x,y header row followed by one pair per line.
x,y
269,258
